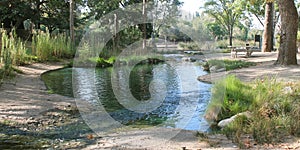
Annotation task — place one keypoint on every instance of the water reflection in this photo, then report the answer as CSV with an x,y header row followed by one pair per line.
x,y
183,107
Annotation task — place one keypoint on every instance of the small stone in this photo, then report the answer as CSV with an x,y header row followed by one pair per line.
x,y
213,69
287,90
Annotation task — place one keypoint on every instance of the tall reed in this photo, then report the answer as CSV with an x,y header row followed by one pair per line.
x,y
46,46
13,50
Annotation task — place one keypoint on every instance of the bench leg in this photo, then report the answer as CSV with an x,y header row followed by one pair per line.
x,y
233,54
248,53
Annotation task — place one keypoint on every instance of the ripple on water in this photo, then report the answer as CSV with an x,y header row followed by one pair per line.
x,y
183,106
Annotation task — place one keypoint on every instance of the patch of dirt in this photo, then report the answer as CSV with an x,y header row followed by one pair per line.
x,y
265,68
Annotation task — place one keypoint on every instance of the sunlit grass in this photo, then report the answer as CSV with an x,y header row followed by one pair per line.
x,y
274,107
47,47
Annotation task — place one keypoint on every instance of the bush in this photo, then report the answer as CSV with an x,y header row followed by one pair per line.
x,y
223,44
275,108
47,47
189,46
228,64
229,97
12,52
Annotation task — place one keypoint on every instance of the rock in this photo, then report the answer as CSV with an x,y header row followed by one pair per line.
x,y
204,79
221,70
287,90
226,122
213,69
190,59
216,69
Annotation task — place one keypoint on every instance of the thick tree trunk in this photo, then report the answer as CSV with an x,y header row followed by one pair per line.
x,y
267,45
288,36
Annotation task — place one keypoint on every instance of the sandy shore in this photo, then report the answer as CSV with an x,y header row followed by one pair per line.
x,y
25,100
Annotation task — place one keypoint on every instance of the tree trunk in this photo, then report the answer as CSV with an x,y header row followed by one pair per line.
x,y
268,28
144,25
115,39
230,36
0,47
288,36
72,35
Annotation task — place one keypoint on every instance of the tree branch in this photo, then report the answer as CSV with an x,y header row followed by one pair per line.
x,y
259,20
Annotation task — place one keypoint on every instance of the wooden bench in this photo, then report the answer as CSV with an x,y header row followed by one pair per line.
x,y
248,49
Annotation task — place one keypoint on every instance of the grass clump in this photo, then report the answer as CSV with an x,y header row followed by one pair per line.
x,y
188,46
12,52
47,47
227,64
229,97
274,107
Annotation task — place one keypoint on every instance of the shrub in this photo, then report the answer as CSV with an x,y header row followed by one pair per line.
x,y
12,52
189,46
228,64
223,44
275,108
47,47
229,97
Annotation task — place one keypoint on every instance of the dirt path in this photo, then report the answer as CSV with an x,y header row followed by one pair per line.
x,y
265,68
26,97
27,107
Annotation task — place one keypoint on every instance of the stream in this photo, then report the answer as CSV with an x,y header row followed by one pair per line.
x,y
182,98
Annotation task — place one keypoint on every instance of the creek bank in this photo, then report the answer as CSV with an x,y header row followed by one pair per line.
x,y
28,100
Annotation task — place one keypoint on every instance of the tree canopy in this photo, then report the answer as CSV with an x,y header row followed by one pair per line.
x,y
226,13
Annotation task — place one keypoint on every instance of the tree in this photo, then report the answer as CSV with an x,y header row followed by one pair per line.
x,y
226,13
71,22
52,14
216,30
288,34
267,44
255,7
161,14
271,19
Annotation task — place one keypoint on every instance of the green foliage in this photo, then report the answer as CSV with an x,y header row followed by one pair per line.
x,y
101,62
274,107
12,52
237,129
47,47
224,43
227,13
228,64
189,46
216,29
53,14
229,97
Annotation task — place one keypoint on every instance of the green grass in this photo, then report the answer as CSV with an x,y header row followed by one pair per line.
x,y
223,44
12,52
275,108
228,64
47,47
189,46
226,51
44,47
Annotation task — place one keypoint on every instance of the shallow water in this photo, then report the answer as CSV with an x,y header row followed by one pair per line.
x,y
179,100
